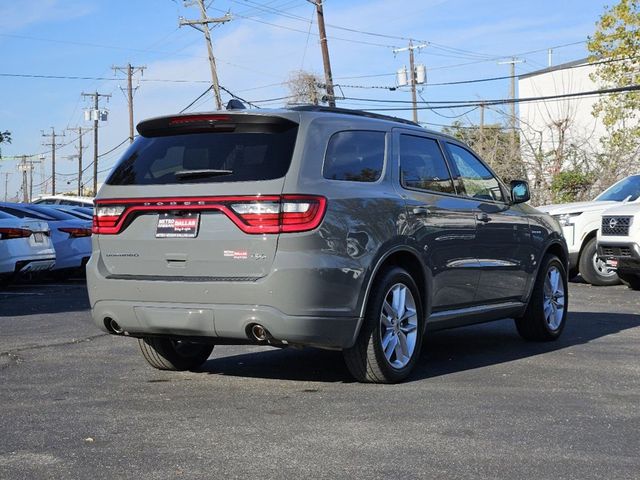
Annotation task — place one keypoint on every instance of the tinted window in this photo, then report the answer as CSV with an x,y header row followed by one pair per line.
x,y
477,180
169,159
357,156
422,165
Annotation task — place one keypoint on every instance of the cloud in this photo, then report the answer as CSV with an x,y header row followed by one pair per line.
x,y
15,16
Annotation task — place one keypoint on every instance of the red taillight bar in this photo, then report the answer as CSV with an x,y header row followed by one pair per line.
x,y
253,223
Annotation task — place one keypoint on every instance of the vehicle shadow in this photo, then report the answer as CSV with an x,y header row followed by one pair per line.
x,y
443,352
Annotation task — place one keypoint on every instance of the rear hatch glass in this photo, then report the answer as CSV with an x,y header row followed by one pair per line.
x,y
178,164
230,149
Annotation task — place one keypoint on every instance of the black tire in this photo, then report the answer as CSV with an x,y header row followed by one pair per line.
x,y
588,270
176,355
366,360
534,325
630,280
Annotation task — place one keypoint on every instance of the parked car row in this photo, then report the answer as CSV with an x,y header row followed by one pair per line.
x,y
36,238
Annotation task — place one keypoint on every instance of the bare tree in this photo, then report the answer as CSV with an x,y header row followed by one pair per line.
x,y
304,88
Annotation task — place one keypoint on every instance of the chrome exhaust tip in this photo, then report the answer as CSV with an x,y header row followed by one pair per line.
x,y
113,326
259,333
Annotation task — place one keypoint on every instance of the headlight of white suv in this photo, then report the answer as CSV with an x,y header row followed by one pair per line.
x,y
565,219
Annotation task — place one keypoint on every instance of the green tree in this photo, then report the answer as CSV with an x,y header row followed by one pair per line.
x,y
5,137
617,38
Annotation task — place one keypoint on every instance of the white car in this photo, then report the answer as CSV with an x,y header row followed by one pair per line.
x,y
64,200
580,222
25,246
619,241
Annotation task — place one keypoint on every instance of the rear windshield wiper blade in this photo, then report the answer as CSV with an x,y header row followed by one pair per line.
x,y
202,173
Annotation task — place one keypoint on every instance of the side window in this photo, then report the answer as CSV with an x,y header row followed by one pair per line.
x,y
477,180
356,156
422,165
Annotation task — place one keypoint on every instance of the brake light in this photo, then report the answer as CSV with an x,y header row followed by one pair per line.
x,y
106,217
10,233
77,232
199,119
254,215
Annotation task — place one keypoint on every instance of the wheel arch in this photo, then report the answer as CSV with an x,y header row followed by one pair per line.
x,y
408,258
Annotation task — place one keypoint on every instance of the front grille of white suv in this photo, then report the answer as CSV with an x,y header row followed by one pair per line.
x,y
618,226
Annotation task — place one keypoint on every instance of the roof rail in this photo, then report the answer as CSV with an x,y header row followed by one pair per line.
x,y
347,111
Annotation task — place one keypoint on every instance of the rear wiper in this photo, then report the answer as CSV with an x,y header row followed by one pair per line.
x,y
205,172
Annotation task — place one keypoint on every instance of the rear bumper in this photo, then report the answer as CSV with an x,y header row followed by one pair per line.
x,y
224,321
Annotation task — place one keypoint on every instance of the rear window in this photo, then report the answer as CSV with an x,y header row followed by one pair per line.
x,y
206,158
356,156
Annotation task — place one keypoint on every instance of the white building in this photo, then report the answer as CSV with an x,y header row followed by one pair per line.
x,y
548,124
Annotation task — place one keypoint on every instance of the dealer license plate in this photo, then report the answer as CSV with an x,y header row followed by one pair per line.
x,y
178,226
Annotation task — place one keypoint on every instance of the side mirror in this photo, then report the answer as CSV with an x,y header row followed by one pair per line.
x,y
519,191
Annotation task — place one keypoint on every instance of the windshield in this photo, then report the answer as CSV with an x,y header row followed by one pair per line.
x,y
626,188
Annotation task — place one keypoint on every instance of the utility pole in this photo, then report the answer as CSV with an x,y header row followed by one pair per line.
x,y
25,166
512,95
202,25
95,116
481,129
130,71
328,77
53,146
412,73
81,131
6,185
512,89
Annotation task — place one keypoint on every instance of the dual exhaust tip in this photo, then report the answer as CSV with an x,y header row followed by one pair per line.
x,y
256,331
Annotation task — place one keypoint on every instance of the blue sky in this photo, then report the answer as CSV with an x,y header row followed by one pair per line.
x,y
257,52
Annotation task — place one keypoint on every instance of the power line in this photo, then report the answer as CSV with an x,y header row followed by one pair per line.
x,y
197,98
502,101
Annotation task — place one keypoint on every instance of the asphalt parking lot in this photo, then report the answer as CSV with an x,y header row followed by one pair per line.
x,y
481,404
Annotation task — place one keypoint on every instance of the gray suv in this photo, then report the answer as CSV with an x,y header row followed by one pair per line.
x,y
331,228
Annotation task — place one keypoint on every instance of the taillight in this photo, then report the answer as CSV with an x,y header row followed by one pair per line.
x,y
9,233
106,217
77,232
255,215
293,213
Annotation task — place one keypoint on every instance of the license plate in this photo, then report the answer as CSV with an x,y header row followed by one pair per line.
x,y
38,237
612,262
178,226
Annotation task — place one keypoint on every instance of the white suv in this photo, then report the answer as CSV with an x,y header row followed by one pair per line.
x,y
619,241
580,222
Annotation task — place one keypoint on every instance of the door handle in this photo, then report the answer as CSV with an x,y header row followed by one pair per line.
x,y
483,217
421,211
